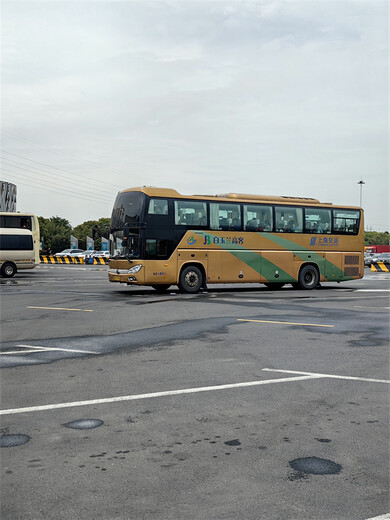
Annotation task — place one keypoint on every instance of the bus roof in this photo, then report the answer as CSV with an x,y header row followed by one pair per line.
x,y
237,197
16,213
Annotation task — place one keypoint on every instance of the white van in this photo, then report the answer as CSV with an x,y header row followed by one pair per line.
x,y
18,250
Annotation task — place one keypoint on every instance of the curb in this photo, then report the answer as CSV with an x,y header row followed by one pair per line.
x,y
97,261
380,266
72,260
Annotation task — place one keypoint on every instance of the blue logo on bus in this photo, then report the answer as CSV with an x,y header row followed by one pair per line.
x,y
191,240
324,241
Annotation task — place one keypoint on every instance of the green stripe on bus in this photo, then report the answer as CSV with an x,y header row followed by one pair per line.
x,y
252,259
267,268
296,249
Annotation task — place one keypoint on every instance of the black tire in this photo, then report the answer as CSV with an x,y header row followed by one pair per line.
x,y
161,288
275,286
191,279
308,277
8,270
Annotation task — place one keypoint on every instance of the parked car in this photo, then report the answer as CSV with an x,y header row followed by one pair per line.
x,y
104,254
382,257
368,259
86,254
69,252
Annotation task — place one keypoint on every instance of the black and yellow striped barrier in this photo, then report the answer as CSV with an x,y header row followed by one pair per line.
x,y
45,259
380,266
61,259
97,260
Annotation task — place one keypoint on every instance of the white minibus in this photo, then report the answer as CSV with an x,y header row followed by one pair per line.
x,y
18,250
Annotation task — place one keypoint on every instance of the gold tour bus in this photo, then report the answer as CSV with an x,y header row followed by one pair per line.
x,y
160,238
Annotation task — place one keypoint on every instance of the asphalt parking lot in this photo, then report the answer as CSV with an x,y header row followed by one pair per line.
x,y
236,403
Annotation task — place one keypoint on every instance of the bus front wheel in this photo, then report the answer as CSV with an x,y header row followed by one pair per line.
x,y
308,277
191,279
8,270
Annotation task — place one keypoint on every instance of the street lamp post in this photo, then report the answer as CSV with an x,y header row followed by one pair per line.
x,y
361,191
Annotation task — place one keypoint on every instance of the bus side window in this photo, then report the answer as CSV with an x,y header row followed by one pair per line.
x,y
258,217
317,220
289,219
25,222
190,213
225,216
158,207
346,221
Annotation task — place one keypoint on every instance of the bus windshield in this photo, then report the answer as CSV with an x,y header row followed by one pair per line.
x,y
126,222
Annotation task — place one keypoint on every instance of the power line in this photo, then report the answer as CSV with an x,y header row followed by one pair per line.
x,y
56,191
55,185
54,167
58,152
80,182
62,191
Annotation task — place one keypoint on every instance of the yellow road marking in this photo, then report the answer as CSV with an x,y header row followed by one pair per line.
x,y
289,323
60,309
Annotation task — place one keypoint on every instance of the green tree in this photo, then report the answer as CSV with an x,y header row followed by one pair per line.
x,y
95,229
55,232
375,238
102,230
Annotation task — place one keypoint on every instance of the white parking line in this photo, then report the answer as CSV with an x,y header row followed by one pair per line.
x,y
288,323
59,309
152,395
37,349
331,376
13,352
372,290
386,516
134,397
370,307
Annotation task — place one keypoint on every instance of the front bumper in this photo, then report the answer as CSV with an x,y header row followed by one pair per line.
x,y
123,276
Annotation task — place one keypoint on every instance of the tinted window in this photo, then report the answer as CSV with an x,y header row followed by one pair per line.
x,y
156,248
288,219
318,220
128,209
257,218
16,242
158,207
15,221
225,216
346,221
190,213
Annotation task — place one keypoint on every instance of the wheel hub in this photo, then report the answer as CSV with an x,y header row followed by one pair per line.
x,y
191,279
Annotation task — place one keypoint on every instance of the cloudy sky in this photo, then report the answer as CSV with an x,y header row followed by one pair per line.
x,y
277,97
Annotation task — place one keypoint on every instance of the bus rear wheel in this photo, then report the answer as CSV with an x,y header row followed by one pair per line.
x,y
8,270
161,288
191,279
308,277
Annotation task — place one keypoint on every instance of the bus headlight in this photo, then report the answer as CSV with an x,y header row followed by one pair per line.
x,y
135,269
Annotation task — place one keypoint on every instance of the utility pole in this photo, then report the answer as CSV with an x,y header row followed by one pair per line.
x,y
361,191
